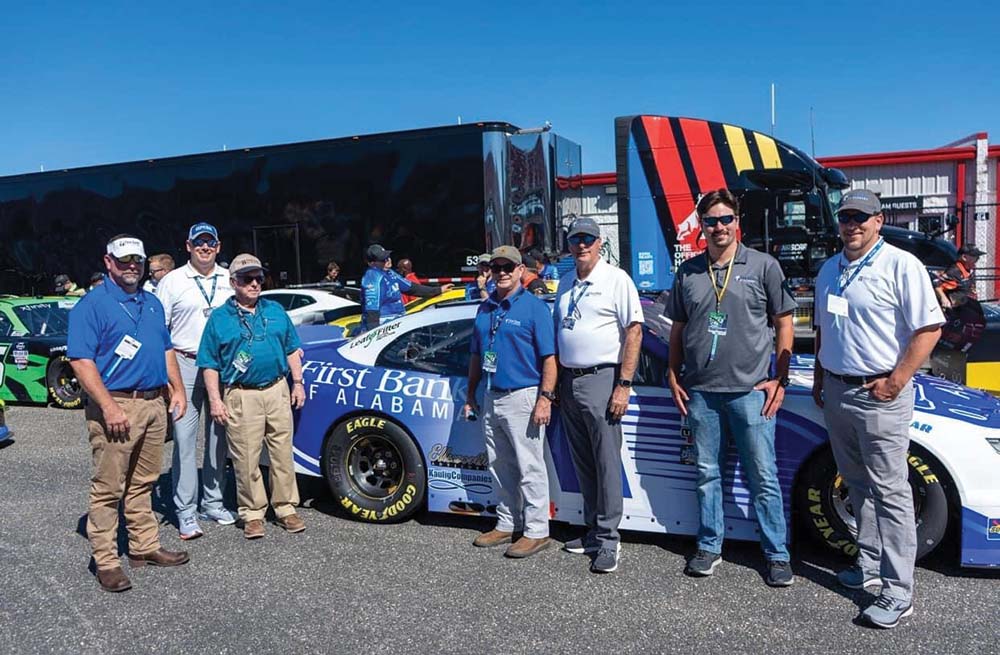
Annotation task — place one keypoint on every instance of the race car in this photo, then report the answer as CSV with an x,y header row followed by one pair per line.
x,y
33,363
383,424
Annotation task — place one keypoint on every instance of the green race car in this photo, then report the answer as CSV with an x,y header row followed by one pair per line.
x,y
33,363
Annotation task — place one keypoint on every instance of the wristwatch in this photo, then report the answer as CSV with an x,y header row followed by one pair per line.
x,y
548,395
784,381
622,382
298,382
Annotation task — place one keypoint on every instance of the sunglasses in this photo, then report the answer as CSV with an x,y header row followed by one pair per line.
x,y
129,259
585,239
712,221
858,217
246,280
204,241
503,268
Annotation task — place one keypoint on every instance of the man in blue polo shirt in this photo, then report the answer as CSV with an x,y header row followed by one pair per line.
x,y
513,347
250,345
383,289
121,353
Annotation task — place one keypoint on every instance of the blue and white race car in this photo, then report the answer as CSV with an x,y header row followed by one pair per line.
x,y
383,425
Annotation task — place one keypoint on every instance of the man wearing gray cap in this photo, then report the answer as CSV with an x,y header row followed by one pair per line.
x,y
383,288
484,284
876,321
598,322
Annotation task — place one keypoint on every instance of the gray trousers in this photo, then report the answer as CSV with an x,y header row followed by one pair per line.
x,y
596,447
870,440
184,467
516,450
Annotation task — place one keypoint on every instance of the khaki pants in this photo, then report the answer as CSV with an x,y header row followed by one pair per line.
x,y
258,417
125,470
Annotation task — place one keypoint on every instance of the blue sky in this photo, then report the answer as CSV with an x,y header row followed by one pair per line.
x,y
89,83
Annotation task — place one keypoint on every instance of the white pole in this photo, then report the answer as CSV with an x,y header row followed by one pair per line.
x,y
772,108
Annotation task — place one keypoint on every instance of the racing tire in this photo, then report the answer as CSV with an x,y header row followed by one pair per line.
x,y
374,469
65,391
829,518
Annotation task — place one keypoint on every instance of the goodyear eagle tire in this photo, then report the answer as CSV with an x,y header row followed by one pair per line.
x,y
374,469
829,516
64,389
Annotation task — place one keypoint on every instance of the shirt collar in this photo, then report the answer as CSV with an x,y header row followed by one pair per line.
x,y
739,258
111,288
597,274
506,302
192,272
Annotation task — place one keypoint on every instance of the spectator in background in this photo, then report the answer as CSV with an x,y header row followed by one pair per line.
x,y
96,280
405,268
332,275
529,278
549,270
67,287
484,284
382,288
958,283
159,265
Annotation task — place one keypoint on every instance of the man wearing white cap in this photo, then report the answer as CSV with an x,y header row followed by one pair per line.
x,y
189,294
121,354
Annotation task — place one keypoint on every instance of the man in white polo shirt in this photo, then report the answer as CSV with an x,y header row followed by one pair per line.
x,y
877,320
189,294
598,323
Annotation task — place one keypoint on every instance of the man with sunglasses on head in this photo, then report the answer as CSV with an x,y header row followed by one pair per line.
x,y
159,266
877,320
189,294
383,288
250,345
722,307
598,322
513,348
121,353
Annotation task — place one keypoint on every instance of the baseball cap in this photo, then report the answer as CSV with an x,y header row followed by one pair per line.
x,y
860,200
509,253
584,226
202,228
243,263
484,258
971,251
60,280
125,246
377,253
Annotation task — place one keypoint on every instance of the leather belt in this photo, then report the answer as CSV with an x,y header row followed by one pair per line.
x,y
499,390
255,387
184,353
138,394
578,372
858,379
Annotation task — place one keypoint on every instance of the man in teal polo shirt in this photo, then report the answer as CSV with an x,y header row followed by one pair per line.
x,y
513,346
250,345
121,353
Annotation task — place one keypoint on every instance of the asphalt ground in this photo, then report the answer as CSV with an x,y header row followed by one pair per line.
x,y
420,587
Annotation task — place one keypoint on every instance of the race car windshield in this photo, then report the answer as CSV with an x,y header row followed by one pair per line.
x,y
44,319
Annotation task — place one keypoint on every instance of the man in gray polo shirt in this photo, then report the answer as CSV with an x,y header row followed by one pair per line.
x,y
721,305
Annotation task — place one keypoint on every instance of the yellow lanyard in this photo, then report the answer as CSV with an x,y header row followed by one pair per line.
x,y
711,275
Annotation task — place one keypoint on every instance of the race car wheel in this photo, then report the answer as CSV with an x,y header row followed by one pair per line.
x,y
825,503
64,389
374,469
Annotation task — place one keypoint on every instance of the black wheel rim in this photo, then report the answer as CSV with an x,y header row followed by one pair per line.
x,y
375,466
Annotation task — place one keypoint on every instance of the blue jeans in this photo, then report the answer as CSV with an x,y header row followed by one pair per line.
x,y
713,416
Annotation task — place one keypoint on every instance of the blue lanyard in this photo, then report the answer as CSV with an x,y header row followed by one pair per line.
x,y
575,298
501,315
841,284
208,298
135,319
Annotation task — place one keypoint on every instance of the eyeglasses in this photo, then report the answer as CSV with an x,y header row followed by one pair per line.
x,y
586,239
246,280
128,260
503,268
198,242
858,217
712,221
154,271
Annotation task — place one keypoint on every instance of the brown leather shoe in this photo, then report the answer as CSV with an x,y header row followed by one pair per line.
x,y
159,557
253,529
292,523
113,580
492,538
526,547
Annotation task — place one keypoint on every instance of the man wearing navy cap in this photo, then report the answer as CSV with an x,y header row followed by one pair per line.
x,y
189,294
383,289
876,321
513,347
121,353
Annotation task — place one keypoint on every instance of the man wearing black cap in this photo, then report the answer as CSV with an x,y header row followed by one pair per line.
x,y
383,289
958,283
67,287
876,322
598,321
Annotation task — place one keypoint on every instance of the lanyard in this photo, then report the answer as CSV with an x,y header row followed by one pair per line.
x,y
719,293
575,297
841,284
497,320
208,298
135,319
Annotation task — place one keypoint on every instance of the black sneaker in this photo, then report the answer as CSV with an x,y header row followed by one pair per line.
x,y
779,574
607,559
703,563
581,546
